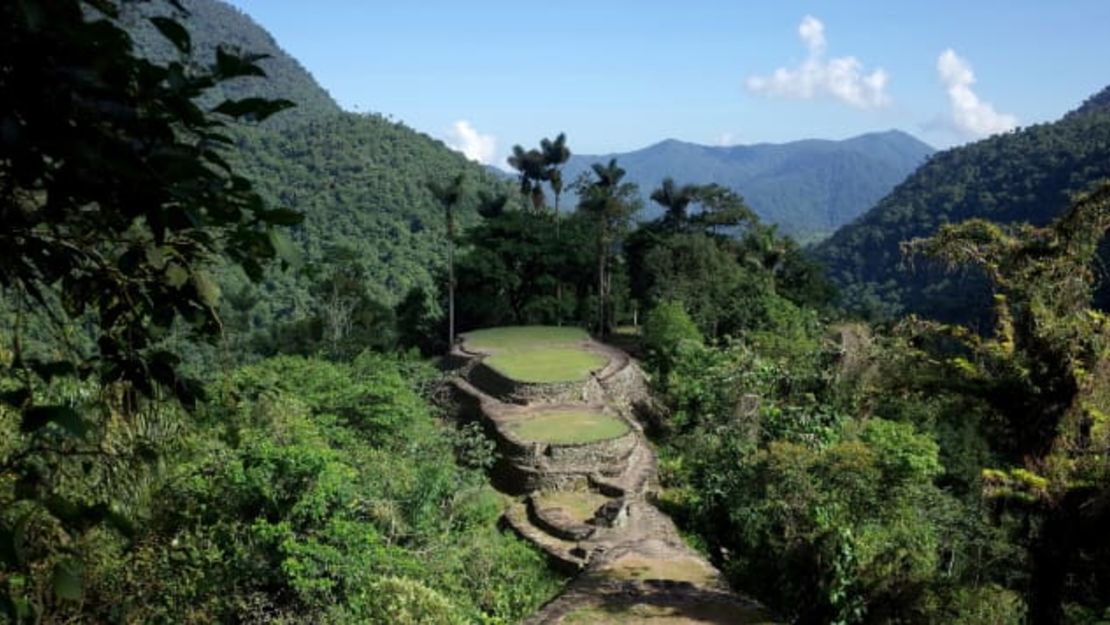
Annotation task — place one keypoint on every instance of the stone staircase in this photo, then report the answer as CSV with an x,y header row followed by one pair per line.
x,y
629,561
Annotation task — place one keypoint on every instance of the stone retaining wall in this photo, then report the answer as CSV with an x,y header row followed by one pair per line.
x,y
495,384
626,387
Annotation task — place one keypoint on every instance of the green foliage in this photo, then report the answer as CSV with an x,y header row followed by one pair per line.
x,y
515,270
362,183
748,282
666,328
309,490
817,476
117,203
407,602
419,322
1043,372
210,24
825,534
118,219
609,202
1029,175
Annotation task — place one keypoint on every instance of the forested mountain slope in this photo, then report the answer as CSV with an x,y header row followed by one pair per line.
x,y
1023,176
361,180
362,183
809,188
211,23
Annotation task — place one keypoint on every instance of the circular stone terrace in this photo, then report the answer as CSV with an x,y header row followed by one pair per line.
x,y
537,354
566,426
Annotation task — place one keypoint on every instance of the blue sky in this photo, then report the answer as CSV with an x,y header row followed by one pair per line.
x,y
623,74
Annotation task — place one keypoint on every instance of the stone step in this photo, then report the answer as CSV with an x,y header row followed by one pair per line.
x,y
558,524
636,478
566,556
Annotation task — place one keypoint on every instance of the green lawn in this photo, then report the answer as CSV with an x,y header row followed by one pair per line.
x,y
546,365
563,427
523,337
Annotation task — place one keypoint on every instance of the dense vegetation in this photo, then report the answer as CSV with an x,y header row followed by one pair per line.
x,y
925,476
372,231
137,488
808,188
211,24
1027,175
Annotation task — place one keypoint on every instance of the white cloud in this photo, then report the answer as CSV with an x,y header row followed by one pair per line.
x,y
727,139
842,78
812,32
473,144
971,116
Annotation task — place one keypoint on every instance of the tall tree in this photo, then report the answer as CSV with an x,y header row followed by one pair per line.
x,y
530,167
449,196
675,200
722,207
611,202
555,155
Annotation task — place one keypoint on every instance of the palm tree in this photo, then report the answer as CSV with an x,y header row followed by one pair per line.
x,y
675,200
449,196
530,165
555,154
612,202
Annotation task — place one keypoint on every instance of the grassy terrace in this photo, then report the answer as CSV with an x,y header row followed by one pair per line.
x,y
565,427
536,354
545,366
579,505
524,338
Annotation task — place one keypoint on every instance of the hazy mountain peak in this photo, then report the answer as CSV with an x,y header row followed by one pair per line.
x,y
809,187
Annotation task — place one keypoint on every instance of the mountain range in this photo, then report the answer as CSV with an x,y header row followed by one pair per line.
x,y
362,182
1026,175
809,188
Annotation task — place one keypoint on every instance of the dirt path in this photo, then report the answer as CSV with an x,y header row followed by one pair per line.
x,y
587,505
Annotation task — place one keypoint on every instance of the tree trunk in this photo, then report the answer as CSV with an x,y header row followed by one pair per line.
x,y
559,285
601,287
450,295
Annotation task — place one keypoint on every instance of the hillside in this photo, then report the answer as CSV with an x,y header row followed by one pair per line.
x,y
1026,175
1100,102
211,23
361,180
808,187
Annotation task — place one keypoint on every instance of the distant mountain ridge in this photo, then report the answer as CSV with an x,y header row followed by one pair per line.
x,y
808,187
1027,175
211,23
